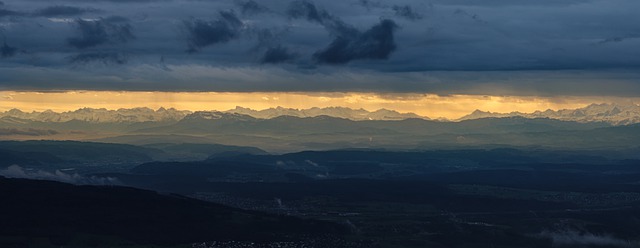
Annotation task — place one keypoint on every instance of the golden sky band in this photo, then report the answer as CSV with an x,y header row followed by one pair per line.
x,y
430,105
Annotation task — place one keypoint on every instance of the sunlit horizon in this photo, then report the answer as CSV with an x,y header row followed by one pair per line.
x,y
429,105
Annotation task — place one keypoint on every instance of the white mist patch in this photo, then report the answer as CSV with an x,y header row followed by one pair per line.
x,y
573,238
70,20
279,203
16,171
311,163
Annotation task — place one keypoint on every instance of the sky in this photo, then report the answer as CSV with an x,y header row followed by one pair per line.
x,y
545,49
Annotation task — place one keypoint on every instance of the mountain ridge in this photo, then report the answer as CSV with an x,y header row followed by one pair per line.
x,y
340,112
99,115
612,113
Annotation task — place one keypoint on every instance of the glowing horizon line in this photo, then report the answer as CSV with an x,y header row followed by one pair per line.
x,y
425,105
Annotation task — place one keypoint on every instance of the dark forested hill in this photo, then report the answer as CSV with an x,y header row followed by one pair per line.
x,y
63,214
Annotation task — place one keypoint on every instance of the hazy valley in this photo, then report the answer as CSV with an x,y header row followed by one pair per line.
x,y
287,130
295,177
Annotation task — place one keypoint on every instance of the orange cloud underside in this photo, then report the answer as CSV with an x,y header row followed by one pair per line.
x,y
434,106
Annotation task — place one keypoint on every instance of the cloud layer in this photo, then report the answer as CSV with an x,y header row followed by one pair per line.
x,y
574,47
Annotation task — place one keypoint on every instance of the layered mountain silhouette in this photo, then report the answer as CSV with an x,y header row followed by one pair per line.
x,y
614,113
163,115
340,112
97,115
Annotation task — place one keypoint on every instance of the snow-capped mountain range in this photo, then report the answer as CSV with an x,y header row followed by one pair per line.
x,y
615,114
99,115
340,112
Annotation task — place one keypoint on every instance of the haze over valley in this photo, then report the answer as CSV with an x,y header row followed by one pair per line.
x,y
325,177
331,128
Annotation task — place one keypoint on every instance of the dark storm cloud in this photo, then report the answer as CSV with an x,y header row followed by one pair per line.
x,y
62,10
278,54
306,9
130,1
407,12
610,40
328,45
497,3
618,39
7,51
475,17
7,12
116,19
265,38
116,1
1,3
251,7
369,4
302,9
203,33
349,43
98,32
403,11
375,43
106,58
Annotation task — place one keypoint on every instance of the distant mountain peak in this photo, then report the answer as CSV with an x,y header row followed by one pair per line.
x,y
100,115
477,111
241,108
333,111
15,111
614,113
216,115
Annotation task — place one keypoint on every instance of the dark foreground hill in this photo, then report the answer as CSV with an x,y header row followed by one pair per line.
x,y
45,213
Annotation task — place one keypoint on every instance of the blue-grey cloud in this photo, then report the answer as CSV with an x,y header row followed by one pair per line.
x,y
251,7
532,47
98,32
375,43
113,1
306,9
370,4
265,38
203,33
278,54
8,12
63,10
116,19
7,51
106,58
406,11
302,9
475,17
